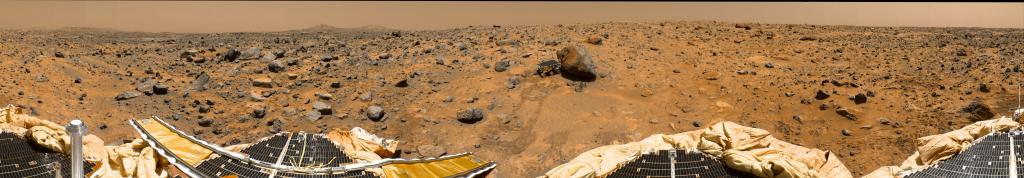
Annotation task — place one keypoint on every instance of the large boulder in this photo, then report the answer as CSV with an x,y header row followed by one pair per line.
x,y
978,111
575,63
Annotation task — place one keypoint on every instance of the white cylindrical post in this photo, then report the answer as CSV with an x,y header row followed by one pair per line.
x,y
76,129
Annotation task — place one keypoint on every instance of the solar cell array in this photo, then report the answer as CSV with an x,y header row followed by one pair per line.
x,y
988,158
19,159
313,150
303,150
684,164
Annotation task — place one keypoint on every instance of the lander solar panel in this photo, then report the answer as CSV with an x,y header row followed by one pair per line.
x,y
19,159
298,149
675,164
313,150
988,158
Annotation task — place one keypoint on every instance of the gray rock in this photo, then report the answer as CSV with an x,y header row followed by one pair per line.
x,y
322,107
328,58
263,82
501,66
366,96
275,126
375,113
513,82
575,62
279,53
199,84
448,99
204,108
189,53
58,54
324,96
146,86
205,122
275,66
313,115
259,111
439,60
843,111
127,95
470,116
508,42
252,53
551,42
847,132
884,120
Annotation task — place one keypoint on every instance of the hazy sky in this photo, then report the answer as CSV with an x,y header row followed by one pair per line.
x,y
238,16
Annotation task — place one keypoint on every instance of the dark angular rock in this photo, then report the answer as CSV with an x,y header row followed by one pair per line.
x,y
231,55
860,98
402,84
820,95
160,89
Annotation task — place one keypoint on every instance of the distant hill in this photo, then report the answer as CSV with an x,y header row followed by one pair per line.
x,y
328,28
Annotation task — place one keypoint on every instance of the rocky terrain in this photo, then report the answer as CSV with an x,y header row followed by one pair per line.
x,y
528,97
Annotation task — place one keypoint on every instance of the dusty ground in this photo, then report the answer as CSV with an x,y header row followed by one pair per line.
x,y
654,78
